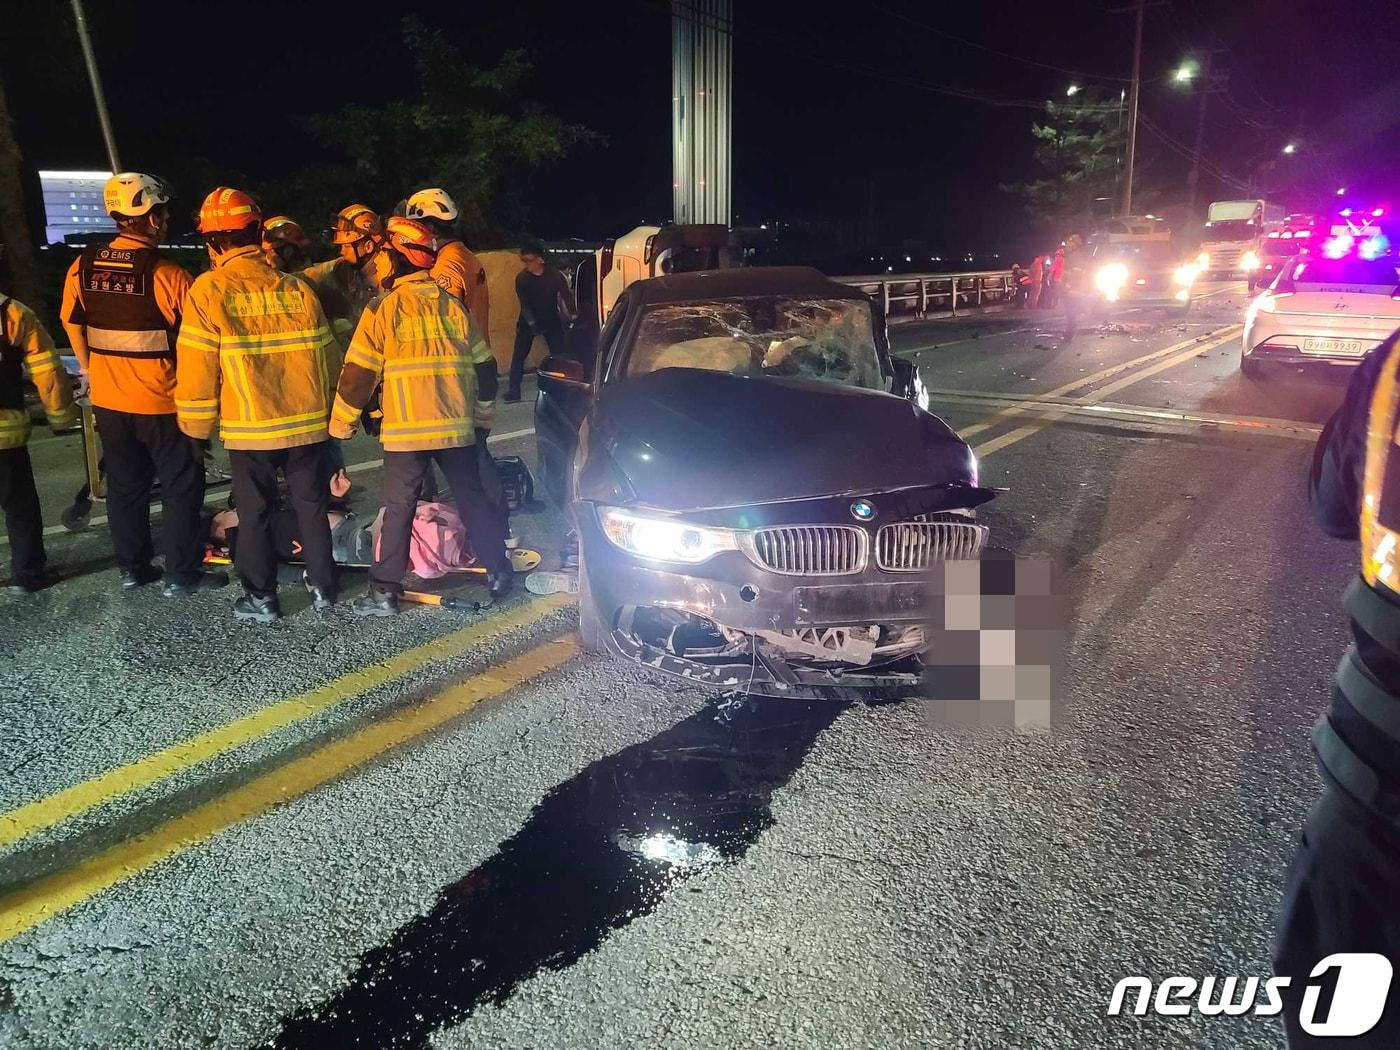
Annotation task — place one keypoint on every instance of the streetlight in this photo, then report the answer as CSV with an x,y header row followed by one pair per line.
x,y
1185,72
1341,191
1071,91
1291,148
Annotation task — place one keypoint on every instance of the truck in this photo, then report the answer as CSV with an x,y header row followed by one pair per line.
x,y
1235,234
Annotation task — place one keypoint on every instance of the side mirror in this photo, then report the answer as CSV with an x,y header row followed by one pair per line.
x,y
567,371
907,382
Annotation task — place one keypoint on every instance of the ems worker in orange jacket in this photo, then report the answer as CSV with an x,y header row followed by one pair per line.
x,y
253,360
456,268
439,384
25,347
122,305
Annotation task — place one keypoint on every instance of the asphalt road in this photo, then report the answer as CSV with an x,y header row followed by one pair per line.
x,y
453,830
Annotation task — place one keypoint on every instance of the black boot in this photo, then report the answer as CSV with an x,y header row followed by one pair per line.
x,y
201,581
139,576
500,583
320,600
375,602
254,609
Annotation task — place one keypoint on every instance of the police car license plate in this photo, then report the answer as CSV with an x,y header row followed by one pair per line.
x,y
1347,347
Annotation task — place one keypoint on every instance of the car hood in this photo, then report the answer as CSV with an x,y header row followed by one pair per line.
x,y
685,439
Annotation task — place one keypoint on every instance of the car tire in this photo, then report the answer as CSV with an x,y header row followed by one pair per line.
x,y
1252,367
590,625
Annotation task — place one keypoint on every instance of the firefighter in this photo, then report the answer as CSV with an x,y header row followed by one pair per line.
x,y
26,347
285,244
121,308
439,384
457,268
1344,880
253,359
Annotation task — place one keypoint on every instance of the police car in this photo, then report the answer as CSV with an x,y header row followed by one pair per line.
x,y
1332,305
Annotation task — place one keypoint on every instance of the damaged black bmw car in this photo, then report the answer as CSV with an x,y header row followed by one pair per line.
x,y
760,496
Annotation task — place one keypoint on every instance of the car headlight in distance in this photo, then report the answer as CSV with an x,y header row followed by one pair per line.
x,y
1111,278
1249,261
658,538
1203,260
1186,275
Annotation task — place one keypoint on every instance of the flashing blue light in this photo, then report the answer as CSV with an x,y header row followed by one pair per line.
x,y
1374,247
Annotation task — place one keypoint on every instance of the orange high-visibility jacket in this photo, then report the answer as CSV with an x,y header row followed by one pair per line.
x,y
459,271
422,346
26,347
122,301
253,352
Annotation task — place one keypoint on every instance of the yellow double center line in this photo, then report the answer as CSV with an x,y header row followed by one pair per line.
x,y
42,899
1163,359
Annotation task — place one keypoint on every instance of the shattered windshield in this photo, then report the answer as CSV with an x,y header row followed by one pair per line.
x,y
827,339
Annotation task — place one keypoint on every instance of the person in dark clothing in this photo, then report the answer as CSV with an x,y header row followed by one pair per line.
x,y
543,295
1344,881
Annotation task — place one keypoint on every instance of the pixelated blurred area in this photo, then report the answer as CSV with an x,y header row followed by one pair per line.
x,y
997,643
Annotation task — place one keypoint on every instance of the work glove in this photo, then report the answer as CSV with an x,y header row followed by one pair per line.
x,y
84,386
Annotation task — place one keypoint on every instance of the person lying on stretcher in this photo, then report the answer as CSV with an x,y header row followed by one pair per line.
x,y
437,545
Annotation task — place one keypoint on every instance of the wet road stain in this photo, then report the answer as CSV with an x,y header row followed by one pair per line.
x,y
600,850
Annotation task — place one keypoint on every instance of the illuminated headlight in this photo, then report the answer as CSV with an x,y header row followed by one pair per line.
x,y
657,538
1110,279
1249,261
1203,260
1186,274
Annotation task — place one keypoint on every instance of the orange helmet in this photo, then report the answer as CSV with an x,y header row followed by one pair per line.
x,y
282,229
225,210
411,239
355,222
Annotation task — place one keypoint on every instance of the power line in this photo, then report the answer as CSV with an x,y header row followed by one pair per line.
x,y
993,51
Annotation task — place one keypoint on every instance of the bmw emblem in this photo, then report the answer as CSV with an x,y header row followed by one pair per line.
x,y
863,510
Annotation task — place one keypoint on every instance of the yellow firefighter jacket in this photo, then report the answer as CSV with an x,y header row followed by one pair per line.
x,y
422,347
252,356
26,347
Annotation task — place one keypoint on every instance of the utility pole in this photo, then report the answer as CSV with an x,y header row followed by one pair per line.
x,y
702,73
14,230
1193,178
97,96
1127,206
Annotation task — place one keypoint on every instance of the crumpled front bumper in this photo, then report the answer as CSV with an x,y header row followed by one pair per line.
x,y
741,597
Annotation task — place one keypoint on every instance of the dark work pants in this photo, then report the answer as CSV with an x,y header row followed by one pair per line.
x,y
462,469
308,472
1342,895
20,501
138,449
524,339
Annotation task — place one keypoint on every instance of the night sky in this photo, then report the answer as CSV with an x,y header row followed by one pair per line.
x,y
836,106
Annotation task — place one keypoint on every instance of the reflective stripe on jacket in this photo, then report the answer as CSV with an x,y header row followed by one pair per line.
x,y
1356,474
422,347
124,299
253,357
26,347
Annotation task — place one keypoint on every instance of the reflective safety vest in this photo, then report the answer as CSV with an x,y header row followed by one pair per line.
x,y
131,343
253,357
25,346
1358,741
422,345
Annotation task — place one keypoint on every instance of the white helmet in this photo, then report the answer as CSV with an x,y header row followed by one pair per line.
x,y
132,193
432,204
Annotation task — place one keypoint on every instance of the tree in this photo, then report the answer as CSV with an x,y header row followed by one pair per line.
x,y
1078,147
469,130
14,230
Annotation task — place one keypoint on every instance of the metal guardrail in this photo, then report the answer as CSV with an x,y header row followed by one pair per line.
x,y
923,293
